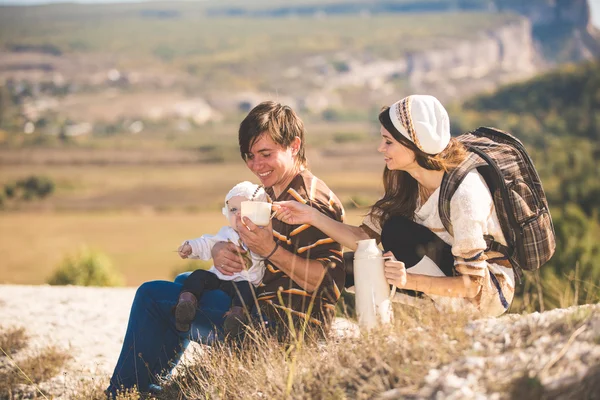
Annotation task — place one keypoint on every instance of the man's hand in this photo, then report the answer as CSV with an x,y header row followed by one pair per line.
x,y
258,239
185,250
293,212
395,271
227,258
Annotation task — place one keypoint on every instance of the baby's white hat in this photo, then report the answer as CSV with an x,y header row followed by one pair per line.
x,y
245,189
422,119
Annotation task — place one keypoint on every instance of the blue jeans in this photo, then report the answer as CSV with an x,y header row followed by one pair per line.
x,y
152,345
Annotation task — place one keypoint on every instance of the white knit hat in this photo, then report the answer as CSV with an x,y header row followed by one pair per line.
x,y
421,119
245,189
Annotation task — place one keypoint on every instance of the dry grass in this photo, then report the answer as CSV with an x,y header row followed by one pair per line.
x,y
12,340
140,245
85,184
31,370
94,390
338,368
137,187
42,366
138,214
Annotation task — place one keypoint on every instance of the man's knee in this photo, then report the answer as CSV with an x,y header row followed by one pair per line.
x,y
147,290
182,277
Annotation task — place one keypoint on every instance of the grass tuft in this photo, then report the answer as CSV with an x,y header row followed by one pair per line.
x,y
337,367
12,340
29,371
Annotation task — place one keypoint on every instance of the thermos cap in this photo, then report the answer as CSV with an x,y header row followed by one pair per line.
x,y
367,249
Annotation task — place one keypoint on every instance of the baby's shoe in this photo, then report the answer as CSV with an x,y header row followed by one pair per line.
x,y
185,311
235,320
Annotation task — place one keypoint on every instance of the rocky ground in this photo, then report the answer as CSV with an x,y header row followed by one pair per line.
x,y
555,354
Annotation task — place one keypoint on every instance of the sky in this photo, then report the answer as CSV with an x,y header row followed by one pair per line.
x,y
594,5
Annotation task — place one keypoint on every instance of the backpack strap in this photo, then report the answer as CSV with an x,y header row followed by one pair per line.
x,y
450,183
498,247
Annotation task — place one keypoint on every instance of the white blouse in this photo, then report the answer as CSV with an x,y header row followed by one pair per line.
x,y
472,215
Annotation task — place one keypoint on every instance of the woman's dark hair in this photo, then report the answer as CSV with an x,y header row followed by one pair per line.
x,y
280,122
401,189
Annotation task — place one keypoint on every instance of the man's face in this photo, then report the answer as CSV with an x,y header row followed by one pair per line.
x,y
234,207
273,164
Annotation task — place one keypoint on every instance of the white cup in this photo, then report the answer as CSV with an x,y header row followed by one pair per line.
x,y
259,212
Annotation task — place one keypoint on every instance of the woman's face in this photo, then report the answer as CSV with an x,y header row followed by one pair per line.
x,y
396,155
273,164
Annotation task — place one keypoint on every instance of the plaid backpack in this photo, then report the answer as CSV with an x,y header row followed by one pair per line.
x,y
517,192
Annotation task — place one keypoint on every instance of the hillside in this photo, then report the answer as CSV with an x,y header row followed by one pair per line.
x,y
178,180
566,102
556,116
180,66
80,70
542,355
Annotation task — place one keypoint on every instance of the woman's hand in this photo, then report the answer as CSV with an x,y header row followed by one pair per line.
x,y
293,212
227,257
258,239
185,250
394,270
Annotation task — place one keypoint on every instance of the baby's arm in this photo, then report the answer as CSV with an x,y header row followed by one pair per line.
x,y
200,248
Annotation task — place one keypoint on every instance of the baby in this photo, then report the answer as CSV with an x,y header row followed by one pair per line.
x,y
237,286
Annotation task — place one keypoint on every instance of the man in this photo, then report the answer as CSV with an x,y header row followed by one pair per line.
x,y
304,268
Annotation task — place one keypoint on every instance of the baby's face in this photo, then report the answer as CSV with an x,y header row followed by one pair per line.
x,y
234,208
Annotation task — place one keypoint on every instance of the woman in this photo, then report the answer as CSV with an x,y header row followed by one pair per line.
x,y
271,139
455,271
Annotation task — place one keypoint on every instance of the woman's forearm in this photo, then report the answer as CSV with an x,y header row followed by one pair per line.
x,y
449,286
344,234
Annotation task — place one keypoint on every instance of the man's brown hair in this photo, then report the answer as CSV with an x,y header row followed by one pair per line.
x,y
280,122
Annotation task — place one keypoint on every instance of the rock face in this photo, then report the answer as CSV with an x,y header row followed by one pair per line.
x,y
549,32
544,12
497,56
453,70
562,27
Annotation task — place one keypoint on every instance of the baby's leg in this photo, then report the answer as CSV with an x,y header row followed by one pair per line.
x,y
242,300
193,288
243,294
199,281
